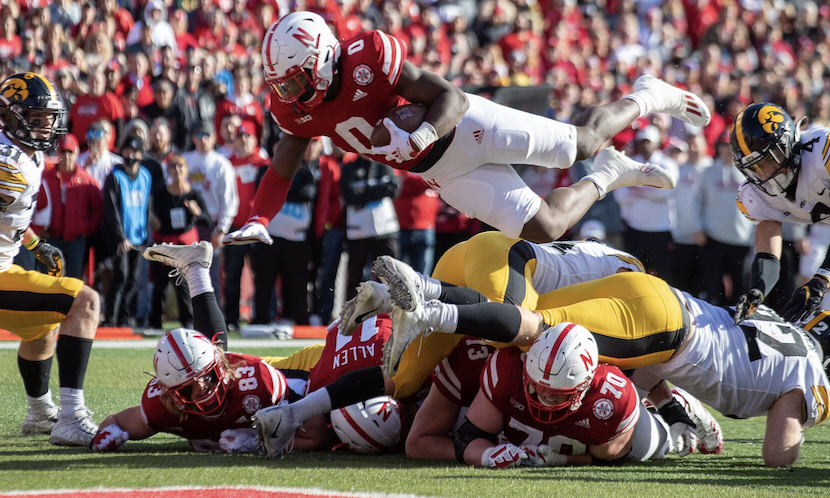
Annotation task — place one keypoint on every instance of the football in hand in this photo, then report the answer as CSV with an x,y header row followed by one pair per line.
x,y
406,117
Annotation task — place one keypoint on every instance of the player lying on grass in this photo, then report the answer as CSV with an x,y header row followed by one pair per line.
x,y
207,396
591,428
557,405
504,269
200,392
763,366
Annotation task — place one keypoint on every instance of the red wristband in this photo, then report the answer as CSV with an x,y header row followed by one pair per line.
x,y
270,197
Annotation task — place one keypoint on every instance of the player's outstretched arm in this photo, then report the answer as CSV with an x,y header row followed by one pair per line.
x,y
271,193
764,271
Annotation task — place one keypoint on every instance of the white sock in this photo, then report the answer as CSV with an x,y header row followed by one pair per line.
x,y
198,279
644,101
40,404
431,287
316,403
446,318
600,181
72,400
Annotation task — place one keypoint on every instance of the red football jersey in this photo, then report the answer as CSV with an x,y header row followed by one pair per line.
x,y
370,65
456,377
258,385
343,354
610,407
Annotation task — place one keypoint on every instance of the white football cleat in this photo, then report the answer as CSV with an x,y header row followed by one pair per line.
x,y
181,256
707,428
275,427
78,430
372,299
403,282
406,327
40,422
673,101
613,170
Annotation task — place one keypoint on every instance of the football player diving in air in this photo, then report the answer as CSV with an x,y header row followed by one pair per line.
x,y
465,145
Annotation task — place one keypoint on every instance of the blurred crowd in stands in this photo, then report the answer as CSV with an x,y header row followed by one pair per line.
x,y
170,134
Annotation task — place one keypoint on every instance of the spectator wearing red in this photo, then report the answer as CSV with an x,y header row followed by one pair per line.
x,y
241,16
10,45
138,77
242,103
75,204
417,206
99,103
124,21
228,43
210,34
184,39
248,166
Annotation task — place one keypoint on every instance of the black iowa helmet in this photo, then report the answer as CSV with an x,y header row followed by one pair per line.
x,y
765,130
31,111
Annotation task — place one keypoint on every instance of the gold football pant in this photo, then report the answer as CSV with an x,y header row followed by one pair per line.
x,y
491,263
637,320
32,304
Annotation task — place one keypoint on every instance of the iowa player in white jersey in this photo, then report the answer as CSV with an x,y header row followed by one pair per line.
x,y
35,306
788,181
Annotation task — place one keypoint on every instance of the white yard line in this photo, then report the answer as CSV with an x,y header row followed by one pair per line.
x,y
151,343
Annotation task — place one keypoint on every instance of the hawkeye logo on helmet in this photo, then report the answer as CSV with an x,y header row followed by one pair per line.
x,y
304,38
770,118
15,90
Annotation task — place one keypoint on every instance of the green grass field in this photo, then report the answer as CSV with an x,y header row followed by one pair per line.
x,y
116,378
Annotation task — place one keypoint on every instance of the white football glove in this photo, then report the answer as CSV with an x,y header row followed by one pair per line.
x,y
400,146
543,456
683,438
253,231
109,438
503,456
238,441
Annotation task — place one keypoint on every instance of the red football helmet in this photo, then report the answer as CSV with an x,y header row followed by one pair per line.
x,y
558,369
298,54
190,369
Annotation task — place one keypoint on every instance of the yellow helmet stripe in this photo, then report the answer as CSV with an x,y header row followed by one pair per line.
x,y
51,88
739,133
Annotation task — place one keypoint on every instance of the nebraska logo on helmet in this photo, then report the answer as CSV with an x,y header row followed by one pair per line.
x,y
303,37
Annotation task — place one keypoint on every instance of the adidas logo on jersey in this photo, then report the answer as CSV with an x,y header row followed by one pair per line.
x,y
359,94
479,135
243,420
584,423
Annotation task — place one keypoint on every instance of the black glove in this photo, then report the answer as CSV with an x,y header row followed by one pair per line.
x,y
747,305
673,412
50,256
806,299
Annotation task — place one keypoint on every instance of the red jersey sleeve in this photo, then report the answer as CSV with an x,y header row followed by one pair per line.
x,y
391,55
614,404
153,412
